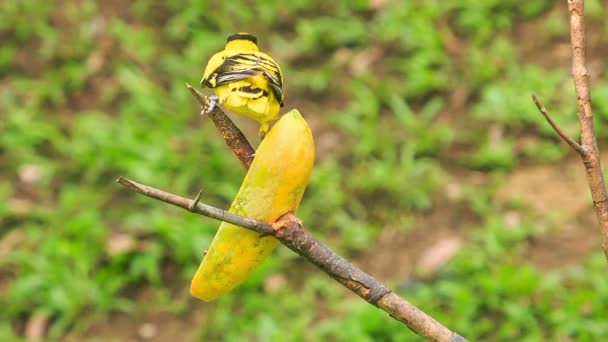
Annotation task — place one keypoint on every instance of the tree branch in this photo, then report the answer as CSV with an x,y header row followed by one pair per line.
x,y
587,149
234,138
575,146
289,231
591,157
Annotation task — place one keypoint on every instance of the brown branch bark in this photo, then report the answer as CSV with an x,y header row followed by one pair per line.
x,y
290,232
591,157
234,138
575,146
587,149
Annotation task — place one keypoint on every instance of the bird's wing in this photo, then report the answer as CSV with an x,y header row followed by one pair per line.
x,y
243,65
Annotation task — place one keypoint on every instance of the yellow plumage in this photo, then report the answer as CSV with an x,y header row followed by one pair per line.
x,y
245,80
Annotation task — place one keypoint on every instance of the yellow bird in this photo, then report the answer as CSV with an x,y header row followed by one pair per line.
x,y
245,80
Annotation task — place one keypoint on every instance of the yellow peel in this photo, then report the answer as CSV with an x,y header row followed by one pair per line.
x,y
273,186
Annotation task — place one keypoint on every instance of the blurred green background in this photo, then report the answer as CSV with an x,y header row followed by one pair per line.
x,y
435,172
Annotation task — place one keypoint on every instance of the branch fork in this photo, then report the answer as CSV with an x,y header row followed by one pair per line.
x,y
587,149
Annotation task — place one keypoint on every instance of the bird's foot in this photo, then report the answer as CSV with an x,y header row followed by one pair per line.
x,y
263,130
212,102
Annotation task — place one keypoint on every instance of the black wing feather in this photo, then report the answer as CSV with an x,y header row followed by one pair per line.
x,y
242,66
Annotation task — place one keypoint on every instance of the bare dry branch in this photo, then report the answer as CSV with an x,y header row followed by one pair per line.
x,y
289,230
591,157
575,146
587,149
234,138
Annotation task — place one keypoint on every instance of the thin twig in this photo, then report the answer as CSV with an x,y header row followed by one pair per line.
x,y
196,206
591,157
288,229
575,146
234,138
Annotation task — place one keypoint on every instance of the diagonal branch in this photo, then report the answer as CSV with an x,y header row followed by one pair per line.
x,y
288,229
575,146
234,138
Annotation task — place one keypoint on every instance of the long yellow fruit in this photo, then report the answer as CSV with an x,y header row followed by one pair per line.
x,y
273,186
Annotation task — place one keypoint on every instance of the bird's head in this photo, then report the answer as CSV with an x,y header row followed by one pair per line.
x,y
242,41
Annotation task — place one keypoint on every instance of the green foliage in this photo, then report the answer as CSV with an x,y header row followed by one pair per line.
x,y
394,91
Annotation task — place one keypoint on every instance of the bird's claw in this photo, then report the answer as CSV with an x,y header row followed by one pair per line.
x,y
212,102
264,128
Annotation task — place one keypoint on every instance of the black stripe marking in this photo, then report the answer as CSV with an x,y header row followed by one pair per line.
x,y
243,36
250,90
245,65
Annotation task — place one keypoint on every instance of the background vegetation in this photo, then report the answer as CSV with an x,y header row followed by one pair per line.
x,y
435,172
